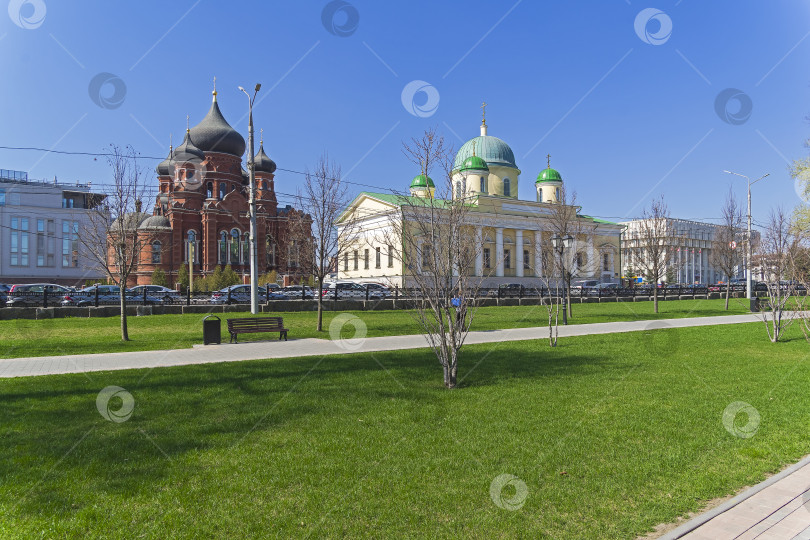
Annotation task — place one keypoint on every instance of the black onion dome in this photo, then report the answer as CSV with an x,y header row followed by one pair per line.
x,y
163,167
263,163
215,134
188,152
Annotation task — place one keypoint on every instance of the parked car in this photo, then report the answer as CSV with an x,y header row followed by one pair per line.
x,y
4,293
349,289
34,294
509,290
293,292
155,294
107,295
604,289
240,294
384,291
584,287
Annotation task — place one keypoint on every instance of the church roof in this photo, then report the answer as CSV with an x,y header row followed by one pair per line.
x,y
548,175
262,162
493,150
215,134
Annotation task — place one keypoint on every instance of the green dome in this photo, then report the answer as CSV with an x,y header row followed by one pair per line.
x,y
548,175
492,149
474,163
422,181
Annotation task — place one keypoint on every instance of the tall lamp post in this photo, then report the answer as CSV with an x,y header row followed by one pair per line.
x,y
749,255
561,243
254,263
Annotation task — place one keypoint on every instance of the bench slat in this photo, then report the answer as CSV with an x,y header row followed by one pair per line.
x,y
250,325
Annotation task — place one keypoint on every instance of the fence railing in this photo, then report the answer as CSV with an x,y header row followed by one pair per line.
x,y
103,297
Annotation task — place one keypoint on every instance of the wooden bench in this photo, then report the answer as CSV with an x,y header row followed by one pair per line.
x,y
252,325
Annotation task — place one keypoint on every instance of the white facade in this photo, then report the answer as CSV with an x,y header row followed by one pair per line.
x,y
39,227
690,247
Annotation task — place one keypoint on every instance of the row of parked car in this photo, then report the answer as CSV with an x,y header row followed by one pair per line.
x,y
35,294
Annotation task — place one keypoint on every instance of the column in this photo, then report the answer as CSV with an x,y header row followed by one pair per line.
x,y
593,264
519,253
499,251
538,254
479,255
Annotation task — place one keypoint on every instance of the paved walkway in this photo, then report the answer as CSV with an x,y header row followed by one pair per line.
x,y
778,508
206,354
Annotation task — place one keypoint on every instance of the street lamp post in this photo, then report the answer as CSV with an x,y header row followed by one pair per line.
x,y
561,243
254,263
749,255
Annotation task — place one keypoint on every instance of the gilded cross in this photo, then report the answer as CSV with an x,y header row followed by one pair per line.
x,y
548,160
484,113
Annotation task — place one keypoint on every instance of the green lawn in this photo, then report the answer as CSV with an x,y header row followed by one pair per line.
x,y
611,435
101,335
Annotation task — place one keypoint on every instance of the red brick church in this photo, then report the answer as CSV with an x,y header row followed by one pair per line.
x,y
203,202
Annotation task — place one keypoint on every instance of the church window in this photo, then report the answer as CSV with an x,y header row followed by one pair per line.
x,y
606,262
209,190
191,248
507,259
507,187
233,257
459,193
221,191
526,265
483,185
558,194
346,262
390,256
356,260
365,260
540,195
245,248
487,259
156,250
377,258
223,248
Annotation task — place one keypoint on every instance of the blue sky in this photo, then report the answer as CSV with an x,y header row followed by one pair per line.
x,y
626,115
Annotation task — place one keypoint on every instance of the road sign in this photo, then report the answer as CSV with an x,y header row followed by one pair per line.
x,y
732,244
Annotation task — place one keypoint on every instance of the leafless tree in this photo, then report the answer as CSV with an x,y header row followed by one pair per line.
x,y
439,249
777,254
321,200
550,290
111,238
567,227
726,254
649,245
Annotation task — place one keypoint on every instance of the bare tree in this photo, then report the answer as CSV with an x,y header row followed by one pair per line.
x,y
439,250
649,245
322,199
777,255
110,237
550,290
726,254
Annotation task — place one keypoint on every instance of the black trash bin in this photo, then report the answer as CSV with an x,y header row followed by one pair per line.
x,y
212,330
755,305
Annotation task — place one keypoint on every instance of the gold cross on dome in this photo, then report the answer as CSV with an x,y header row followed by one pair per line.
x,y
484,113
186,123
215,85
548,160
261,136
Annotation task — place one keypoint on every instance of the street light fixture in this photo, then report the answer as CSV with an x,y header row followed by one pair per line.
x,y
749,254
561,243
254,263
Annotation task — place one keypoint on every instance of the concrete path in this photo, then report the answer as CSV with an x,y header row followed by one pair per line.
x,y
778,508
202,354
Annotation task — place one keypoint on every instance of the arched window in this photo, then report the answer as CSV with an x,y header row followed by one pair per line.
x,y
558,194
271,252
540,195
209,190
234,249
221,194
246,248
459,192
483,185
507,187
264,185
156,251
223,248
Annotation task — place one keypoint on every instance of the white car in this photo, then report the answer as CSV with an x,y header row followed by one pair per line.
x,y
349,289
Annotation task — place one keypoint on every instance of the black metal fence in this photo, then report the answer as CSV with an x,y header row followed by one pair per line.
x,y
97,297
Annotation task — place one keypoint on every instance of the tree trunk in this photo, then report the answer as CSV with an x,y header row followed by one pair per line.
x,y
320,304
450,375
728,288
123,304
655,297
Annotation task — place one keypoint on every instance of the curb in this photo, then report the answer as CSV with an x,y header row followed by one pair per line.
x,y
704,518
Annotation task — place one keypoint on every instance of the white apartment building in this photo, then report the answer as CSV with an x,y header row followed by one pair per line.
x,y
40,223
